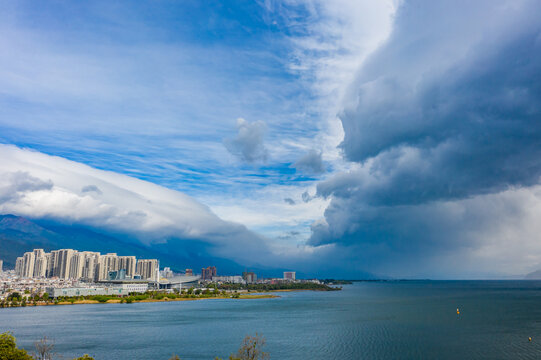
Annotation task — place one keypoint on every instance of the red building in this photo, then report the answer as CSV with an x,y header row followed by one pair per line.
x,y
208,273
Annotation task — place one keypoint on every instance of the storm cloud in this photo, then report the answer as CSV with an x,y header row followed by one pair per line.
x,y
443,121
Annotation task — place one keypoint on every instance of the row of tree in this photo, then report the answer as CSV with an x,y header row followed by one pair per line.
x,y
15,299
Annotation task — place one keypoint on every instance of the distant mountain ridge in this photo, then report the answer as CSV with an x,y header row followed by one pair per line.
x,y
21,224
19,235
536,275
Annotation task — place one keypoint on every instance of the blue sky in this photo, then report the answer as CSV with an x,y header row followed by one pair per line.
x,y
154,90
344,136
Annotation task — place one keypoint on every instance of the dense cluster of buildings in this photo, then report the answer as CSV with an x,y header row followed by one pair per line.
x,y
69,272
84,265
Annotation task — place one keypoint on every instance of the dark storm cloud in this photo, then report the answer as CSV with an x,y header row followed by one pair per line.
x,y
310,163
447,110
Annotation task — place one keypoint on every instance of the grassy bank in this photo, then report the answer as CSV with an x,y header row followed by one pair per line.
x,y
19,301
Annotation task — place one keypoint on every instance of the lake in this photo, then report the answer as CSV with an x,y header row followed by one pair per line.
x,y
366,320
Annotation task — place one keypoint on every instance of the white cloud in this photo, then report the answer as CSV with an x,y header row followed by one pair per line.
x,y
248,144
50,187
338,37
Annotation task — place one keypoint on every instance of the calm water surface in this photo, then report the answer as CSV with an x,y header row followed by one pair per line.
x,y
393,320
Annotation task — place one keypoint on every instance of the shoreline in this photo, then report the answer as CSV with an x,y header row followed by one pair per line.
x,y
166,299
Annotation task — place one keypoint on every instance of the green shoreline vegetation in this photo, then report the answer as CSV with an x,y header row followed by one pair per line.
x,y
17,300
251,348
213,291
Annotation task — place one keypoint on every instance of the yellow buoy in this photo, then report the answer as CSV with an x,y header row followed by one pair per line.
x,y
457,311
530,339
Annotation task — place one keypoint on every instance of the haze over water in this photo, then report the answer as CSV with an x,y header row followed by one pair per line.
x,y
375,320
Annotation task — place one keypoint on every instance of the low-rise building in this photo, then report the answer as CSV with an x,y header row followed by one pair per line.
x,y
120,288
229,279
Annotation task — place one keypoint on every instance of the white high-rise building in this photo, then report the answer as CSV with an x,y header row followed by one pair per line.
x,y
127,263
84,265
28,264
40,263
90,267
63,263
19,265
106,263
289,275
148,269
76,266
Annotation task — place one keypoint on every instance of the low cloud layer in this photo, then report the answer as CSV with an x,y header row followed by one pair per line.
x,y
444,123
40,186
248,144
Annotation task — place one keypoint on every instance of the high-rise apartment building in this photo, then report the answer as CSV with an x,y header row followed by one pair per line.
x,y
148,269
127,263
90,267
63,263
106,263
249,277
76,266
84,265
19,266
289,275
208,273
28,264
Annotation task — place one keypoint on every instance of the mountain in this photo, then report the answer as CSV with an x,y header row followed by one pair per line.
x,y
536,275
19,235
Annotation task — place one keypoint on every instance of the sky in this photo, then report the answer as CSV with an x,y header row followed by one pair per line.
x,y
337,138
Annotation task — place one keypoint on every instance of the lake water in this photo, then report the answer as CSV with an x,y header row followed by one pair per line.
x,y
369,320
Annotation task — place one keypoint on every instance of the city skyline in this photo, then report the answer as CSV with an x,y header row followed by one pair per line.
x,y
84,265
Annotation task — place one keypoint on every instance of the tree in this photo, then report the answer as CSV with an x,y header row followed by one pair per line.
x,y
44,349
14,296
45,297
9,350
85,357
251,349
174,357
